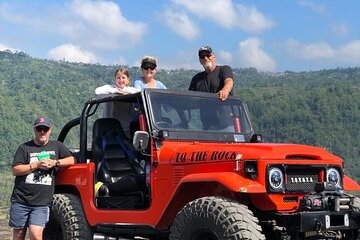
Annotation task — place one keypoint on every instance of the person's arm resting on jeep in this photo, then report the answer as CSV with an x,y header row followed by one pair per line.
x,y
65,162
225,91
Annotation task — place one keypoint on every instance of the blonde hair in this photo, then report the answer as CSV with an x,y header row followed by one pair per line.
x,y
149,59
125,72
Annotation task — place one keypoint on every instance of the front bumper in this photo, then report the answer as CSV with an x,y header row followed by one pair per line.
x,y
324,212
320,221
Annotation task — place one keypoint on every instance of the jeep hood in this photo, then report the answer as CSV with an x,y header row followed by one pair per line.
x,y
189,152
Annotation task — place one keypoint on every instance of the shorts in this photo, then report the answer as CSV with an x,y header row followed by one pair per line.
x,y
21,216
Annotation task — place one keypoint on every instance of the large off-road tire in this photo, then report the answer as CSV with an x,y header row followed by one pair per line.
x,y
67,220
215,218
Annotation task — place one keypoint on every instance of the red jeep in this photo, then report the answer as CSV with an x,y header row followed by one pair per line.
x,y
164,164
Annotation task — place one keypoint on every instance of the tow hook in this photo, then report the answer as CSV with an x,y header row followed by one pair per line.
x,y
355,205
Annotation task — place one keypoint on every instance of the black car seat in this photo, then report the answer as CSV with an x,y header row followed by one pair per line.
x,y
117,167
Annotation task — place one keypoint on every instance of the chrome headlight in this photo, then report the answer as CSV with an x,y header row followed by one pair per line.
x,y
276,179
333,176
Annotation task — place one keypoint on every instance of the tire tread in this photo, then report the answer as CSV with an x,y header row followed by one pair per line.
x,y
236,220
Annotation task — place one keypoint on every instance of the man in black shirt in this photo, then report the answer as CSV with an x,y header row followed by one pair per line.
x,y
215,79
34,166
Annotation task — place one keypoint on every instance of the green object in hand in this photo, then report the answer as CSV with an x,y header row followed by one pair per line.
x,y
43,155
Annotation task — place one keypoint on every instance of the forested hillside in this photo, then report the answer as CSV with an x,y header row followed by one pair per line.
x,y
319,108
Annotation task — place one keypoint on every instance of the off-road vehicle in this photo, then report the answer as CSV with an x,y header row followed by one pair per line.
x,y
182,165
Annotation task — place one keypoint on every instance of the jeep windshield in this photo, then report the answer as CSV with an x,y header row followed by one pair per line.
x,y
198,116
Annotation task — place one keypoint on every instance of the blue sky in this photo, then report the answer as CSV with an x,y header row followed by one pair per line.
x,y
269,35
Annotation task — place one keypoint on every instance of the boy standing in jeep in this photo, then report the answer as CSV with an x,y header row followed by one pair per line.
x,y
215,79
34,167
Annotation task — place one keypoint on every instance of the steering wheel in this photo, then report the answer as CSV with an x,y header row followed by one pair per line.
x,y
163,124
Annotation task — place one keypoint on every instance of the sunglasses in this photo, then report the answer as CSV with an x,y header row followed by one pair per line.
x,y
42,129
147,68
202,56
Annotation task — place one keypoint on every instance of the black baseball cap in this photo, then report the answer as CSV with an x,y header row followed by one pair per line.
x,y
42,121
205,49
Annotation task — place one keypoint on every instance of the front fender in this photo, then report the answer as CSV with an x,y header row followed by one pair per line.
x,y
192,186
232,181
350,184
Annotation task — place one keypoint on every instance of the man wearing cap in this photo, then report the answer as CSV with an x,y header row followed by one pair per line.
x,y
215,79
34,167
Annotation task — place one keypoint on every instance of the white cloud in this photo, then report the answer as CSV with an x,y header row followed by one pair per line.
x,y
95,24
102,25
7,48
181,24
251,20
339,29
228,15
251,55
225,56
319,8
71,53
348,53
309,51
214,10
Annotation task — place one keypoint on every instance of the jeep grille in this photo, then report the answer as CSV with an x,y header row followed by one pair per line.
x,y
301,179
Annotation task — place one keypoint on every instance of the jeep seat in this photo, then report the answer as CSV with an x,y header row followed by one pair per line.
x,y
113,154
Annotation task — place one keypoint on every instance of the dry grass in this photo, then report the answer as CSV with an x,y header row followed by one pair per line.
x,y
5,230
6,185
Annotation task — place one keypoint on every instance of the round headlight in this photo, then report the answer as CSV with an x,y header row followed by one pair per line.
x,y
276,179
333,176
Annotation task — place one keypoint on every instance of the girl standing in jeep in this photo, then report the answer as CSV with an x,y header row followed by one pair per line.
x,y
122,82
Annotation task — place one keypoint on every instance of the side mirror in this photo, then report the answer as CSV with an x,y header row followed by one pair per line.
x,y
141,140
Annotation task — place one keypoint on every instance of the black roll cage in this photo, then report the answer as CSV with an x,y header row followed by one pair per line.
x,y
142,99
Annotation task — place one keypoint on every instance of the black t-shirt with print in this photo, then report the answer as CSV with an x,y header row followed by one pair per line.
x,y
211,82
37,188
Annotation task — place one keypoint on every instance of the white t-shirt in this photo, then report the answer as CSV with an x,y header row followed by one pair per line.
x,y
108,89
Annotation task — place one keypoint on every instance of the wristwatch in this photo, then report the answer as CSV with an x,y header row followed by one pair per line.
x,y
57,163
